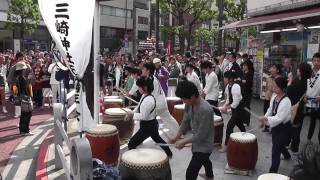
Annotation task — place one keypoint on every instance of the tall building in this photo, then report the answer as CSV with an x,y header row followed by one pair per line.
x,y
123,24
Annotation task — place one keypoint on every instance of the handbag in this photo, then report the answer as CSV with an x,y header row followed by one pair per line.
x,y
294,109
26,103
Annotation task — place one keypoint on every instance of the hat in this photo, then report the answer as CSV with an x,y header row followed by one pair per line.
x,y
21,66
156,60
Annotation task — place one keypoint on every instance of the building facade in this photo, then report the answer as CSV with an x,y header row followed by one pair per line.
x,y
122,23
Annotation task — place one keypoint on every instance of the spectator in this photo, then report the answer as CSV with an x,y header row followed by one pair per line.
x,y
162,74
173,68
3,71
53,69
37,85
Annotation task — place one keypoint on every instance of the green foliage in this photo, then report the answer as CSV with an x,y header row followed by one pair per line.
x,y
23,15
235,11
205,35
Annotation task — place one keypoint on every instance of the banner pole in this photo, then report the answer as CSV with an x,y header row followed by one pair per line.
x,y
96,58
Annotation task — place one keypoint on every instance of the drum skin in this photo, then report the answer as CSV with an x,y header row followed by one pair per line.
x,y
137,171
112,103
125,128
178,115
242,155
105,147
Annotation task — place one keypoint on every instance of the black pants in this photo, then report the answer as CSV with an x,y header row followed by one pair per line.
x,y
296,128
148,129
198,160
24,122
235,120
314,115
280,138
37,97
246,115
215,103
266,105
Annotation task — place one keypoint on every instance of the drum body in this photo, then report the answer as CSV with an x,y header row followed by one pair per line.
x,y
242,151
172,101
116,117
218,130
112,103
145,164
178,112
104,142
273,176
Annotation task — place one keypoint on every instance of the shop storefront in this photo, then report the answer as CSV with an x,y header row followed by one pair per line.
x,y
295,32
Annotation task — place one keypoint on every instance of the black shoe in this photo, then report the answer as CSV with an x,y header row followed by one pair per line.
x,y
266,130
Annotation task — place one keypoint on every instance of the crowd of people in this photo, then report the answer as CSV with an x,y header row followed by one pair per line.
x,y
289,97
28,74
146,78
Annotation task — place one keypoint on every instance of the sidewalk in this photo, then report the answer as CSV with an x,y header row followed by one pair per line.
x,y
10,137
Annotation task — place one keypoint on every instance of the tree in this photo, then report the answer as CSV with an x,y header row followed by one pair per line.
x,y
235,12
198,10
203,35
23,15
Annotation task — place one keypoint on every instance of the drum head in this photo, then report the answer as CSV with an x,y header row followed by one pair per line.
x,y
173,99
112,97
243,137
180,106
273,176
217,118
144,157
116,111
113,100
103,129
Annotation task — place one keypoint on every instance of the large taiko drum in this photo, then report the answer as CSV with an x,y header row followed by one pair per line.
x,y
273,176
116,117
145,164
172,101
242,151
104,142
178,112
112,103
218,130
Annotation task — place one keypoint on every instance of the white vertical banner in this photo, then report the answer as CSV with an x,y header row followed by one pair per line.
x,y
70,24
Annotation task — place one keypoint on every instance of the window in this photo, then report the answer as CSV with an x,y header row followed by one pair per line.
x,y
142,35
118,12
141,5
143,20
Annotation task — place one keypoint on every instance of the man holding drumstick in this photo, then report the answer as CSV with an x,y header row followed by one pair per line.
x,y
198,116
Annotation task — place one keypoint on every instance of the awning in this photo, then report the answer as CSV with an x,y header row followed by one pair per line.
x,y
273,18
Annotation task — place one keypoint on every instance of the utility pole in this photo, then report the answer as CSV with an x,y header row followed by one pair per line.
x,y
157,25
126,30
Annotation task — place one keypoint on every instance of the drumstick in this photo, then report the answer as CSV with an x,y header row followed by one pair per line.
x,y
252,113
217,108
124,110
253,129
163,144
127,96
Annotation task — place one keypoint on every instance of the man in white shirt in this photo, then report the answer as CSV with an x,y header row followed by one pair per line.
x,y
161,107
52,69
313,95
233,102
193,77
211,90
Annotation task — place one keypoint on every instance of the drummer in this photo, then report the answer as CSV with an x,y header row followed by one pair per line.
x,y
278,118
146,114
198,116
162,108
233,102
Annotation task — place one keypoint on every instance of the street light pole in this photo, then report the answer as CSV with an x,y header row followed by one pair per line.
x,y
157,25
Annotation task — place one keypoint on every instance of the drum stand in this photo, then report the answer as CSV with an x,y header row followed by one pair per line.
x,y
229,170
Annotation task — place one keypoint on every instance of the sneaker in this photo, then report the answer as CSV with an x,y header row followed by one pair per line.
x,y
223,149
27,134
204,176
4,110
16,116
